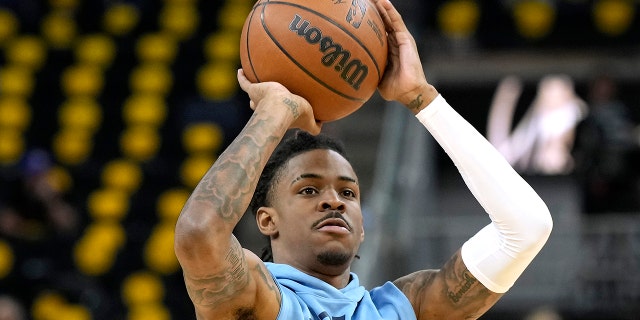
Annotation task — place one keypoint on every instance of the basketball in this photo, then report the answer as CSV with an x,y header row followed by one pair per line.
x,y
332,53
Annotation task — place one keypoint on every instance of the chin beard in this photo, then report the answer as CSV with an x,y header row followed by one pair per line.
x,y
332,258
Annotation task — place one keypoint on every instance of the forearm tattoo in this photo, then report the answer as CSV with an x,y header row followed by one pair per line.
x,y
240,163
215,289
293,106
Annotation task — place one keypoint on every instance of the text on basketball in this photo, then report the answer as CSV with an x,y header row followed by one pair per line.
x,y
353,71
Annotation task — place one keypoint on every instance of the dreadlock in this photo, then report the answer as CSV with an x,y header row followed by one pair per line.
x,y
295,143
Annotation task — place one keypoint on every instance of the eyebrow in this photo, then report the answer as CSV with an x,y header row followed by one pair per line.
x,y
317,176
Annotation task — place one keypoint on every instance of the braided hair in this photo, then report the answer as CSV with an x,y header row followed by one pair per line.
x,y
295,143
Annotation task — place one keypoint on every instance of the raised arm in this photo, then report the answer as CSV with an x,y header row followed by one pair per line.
x,y
490,262
225,281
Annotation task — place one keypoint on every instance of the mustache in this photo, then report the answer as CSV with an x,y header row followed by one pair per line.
x,y
332,215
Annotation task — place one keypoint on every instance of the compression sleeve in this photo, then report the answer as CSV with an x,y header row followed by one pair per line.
x,y
520,221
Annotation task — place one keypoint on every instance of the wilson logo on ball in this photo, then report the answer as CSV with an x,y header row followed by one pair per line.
x,y
352,71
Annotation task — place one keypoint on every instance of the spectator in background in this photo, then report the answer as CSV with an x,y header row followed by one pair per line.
x,y
38,223
606,151
10,309
32,209
542,140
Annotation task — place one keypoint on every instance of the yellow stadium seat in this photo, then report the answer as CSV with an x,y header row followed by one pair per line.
x,y
144,109
151,78
8,26
6,259
170,203
46,304
459,19
16,80
82,80
179,19
95,252
120,18
222,46
122,174
72,146
534,19
140,143
95,49
142,288
91,263
106,234
613,17
217,81
151,311
108,204
81,113
158,250
202,137
74,312
193,169
15,113
59,29
28,51
12,146
233,15
156,48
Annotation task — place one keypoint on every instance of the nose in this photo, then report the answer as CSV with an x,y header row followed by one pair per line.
x,y
331,201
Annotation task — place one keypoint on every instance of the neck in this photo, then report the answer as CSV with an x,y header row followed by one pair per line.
x,y
332,276
337,276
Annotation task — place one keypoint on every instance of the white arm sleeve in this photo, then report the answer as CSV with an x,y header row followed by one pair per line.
x,y
520,221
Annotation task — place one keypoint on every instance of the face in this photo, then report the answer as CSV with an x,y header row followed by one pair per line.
x,y
315,220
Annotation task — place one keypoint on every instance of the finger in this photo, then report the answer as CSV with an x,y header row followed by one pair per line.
x,y
384,15
243,81
392,18
317,128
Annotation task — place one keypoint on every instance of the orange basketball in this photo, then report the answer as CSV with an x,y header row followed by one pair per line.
x,y
332,53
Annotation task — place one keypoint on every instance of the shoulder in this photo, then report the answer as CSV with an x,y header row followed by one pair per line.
x,y
258,298
414,284
418,285
268,296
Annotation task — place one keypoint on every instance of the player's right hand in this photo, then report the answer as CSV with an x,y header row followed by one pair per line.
x,y
272,94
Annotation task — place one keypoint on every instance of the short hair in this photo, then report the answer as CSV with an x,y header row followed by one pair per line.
x,y
295,143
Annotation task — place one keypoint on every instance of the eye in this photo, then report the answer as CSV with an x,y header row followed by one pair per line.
x,y
348,193
308,190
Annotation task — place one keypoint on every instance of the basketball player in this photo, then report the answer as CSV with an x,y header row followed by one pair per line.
x,y
308,204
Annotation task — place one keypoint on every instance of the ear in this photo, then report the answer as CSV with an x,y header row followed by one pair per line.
x,y
266,220
362,234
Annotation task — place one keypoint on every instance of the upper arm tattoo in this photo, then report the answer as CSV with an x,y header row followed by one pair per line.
x,y
265,276
464,291
459,281
451,291
214,289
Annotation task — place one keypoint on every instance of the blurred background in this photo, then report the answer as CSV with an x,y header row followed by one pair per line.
x,y
111,111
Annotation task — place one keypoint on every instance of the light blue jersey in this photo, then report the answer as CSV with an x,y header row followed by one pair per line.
x,y
307,298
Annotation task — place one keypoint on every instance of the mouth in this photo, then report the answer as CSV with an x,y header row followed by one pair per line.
x,y
334,225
